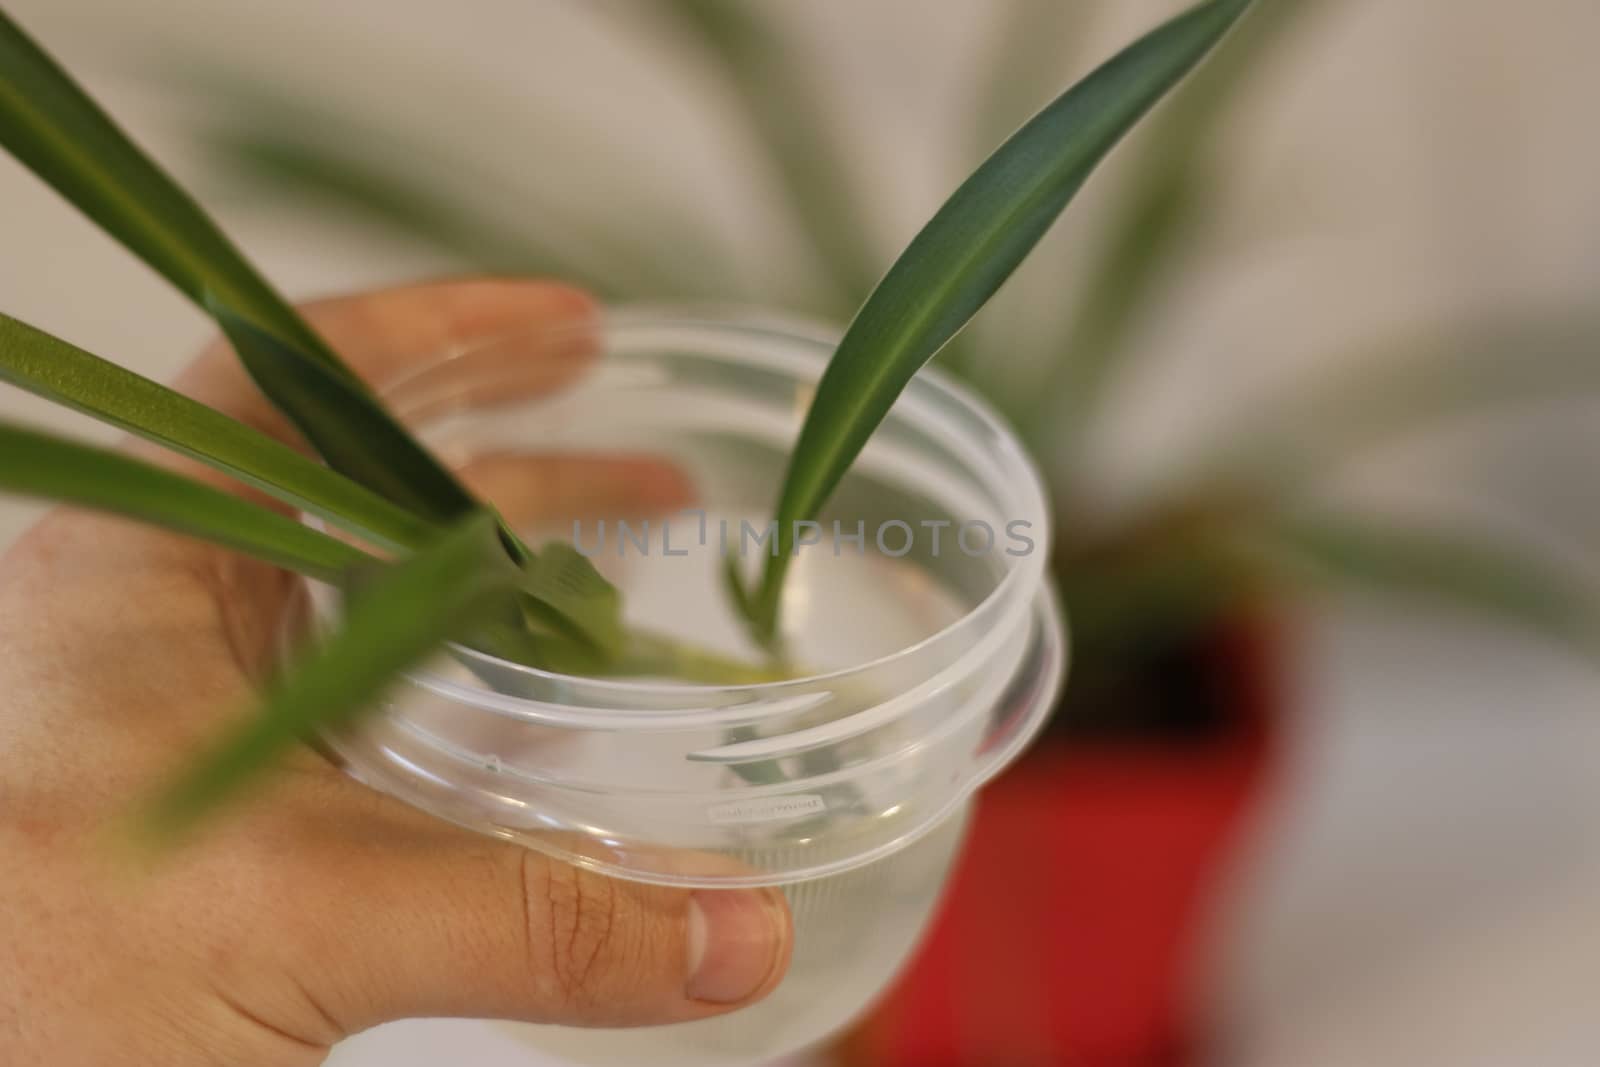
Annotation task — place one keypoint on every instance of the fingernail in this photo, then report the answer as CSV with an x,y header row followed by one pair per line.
x,y
735,937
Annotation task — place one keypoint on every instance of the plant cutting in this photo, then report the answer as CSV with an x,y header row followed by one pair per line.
x,y
380,483
526,622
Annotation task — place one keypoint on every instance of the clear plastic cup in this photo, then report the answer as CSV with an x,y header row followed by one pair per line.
x,y
927,670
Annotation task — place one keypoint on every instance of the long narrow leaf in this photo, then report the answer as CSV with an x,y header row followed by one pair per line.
x,y
1028,60
1400,389
53,127
782,117
280,139
446,591
65,374
49,123
1452,568
270,155
39,465
963,255
567,593
343,425
1168,191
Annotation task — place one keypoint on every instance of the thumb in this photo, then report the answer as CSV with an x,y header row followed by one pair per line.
x,y
490,930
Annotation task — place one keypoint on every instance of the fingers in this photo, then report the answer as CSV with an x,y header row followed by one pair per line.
x,y
479,928
388,335
529,488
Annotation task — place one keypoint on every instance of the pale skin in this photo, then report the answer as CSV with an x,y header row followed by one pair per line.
x,y
316,908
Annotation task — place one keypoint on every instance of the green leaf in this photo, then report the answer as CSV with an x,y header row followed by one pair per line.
x,y
1028,60
764,80
408,610
39,465
58,131
1452,568
54,128
963,255
351,181
65,374
660,656
1384,393
566,593
563,588
279,138
346,427
1167,193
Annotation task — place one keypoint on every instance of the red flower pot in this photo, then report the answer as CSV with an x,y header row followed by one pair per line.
x,y
1070,928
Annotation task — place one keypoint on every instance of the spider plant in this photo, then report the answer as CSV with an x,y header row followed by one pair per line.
x,y
429,563
1240,526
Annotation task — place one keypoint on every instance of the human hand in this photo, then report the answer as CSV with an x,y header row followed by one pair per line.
x,y
317,908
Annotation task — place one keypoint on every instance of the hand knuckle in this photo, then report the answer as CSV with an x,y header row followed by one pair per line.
x,y
576,930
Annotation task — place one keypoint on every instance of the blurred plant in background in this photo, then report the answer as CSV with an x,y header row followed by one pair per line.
x,y
1238,530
